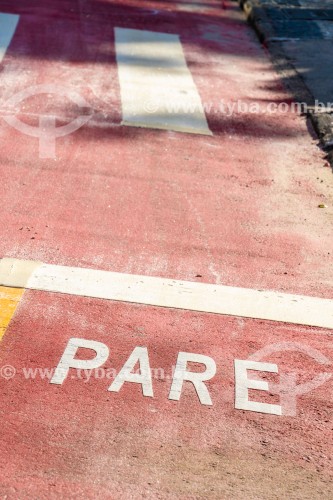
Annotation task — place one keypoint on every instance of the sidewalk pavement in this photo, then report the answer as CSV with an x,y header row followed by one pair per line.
x,y
299,36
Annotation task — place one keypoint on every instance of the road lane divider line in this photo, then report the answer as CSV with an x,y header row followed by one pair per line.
x,y
163,292
156,86
9,300
8,25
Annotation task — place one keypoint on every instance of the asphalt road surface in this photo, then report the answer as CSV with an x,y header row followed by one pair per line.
x,y
166,307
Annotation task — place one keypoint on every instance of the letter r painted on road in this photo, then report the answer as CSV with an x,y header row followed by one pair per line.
x,y
243,384
68,359
197,379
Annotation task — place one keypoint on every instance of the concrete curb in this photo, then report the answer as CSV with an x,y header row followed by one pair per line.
x,y
322,122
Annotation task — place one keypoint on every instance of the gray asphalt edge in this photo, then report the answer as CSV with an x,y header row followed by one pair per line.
x,y
321,122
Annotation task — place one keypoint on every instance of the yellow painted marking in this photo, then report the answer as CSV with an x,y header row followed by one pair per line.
x,y
9,300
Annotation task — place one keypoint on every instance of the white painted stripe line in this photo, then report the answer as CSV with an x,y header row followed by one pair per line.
x,y
156,86
8,24
218,299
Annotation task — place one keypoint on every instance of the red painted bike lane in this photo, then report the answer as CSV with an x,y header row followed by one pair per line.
x,y
237,208
79,439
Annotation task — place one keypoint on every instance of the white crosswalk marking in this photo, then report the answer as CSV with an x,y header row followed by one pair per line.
x,y
8,24
157,88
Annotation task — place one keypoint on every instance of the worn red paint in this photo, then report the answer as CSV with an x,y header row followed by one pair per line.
x,y
239,208
81,433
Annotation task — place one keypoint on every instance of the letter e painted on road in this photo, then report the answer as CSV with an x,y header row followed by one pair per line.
x,y
243,384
